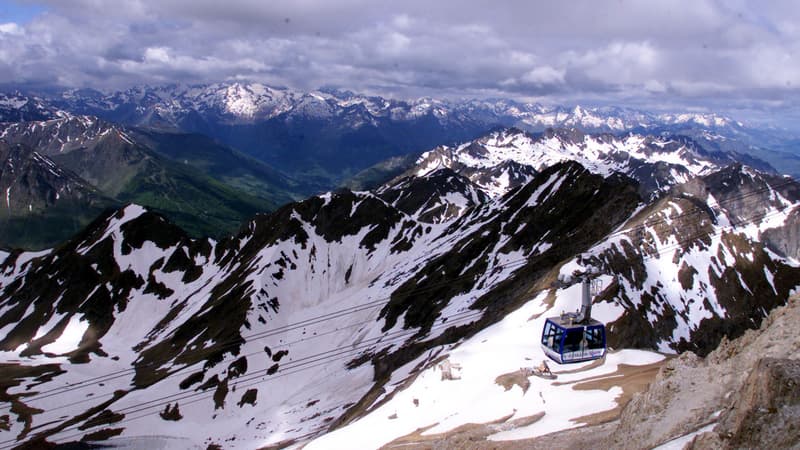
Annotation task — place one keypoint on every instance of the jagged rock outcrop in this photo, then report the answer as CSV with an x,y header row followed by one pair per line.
x,y
508,158
368,288
747,389
765,412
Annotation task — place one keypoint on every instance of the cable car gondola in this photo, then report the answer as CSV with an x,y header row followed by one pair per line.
x,y
575,337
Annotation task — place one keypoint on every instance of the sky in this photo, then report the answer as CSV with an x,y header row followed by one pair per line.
x,y
731,55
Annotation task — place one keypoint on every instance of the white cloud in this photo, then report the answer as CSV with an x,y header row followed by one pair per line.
x,y
156,54
666,49
616,63
544,75
770,67
699,88
396,42
655,87
11,28
402,21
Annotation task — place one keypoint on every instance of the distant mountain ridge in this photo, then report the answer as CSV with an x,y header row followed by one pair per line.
x,y
317,314
18,107
276,145
252,102
329,135
508,158
207,188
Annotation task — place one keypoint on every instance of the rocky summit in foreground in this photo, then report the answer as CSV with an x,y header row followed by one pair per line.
x,y
744,394
325,323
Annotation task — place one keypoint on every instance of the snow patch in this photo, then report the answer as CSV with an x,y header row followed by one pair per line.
x,y
70,338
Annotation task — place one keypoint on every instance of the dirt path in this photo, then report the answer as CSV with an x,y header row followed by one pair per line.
x,y
634,379
631,379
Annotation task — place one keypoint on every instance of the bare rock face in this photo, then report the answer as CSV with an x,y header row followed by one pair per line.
x,y
684,394
748,389
766,411
786,240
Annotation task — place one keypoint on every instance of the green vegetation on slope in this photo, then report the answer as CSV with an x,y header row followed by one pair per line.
x,y
225,164
380,173
197,203
42,230
206,188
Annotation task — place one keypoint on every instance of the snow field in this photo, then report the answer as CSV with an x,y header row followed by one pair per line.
x,y
500,349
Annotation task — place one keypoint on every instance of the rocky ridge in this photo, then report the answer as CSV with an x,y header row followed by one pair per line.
x,y
390,279
746,389
507,158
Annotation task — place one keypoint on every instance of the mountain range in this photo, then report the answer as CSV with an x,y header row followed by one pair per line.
x,y
207,188
212,156
320,316
328,135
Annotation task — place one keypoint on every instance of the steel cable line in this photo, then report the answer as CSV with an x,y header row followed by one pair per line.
x,y
232,343
179,371
377,302
123,372
327,357
305,363
457,316
321,357
380,301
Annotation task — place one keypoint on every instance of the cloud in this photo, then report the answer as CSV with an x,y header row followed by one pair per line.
x,y
11,28
655,87
156,54
646,51
544,75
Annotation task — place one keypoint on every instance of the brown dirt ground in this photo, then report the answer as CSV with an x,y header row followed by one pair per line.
x,y
597,426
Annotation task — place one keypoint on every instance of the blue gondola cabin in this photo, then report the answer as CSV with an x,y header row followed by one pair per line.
x,y
565,341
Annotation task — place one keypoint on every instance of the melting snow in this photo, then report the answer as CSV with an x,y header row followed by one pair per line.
x,y
680,443
70,338
499,349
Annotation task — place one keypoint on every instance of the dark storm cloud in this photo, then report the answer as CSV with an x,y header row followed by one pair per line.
x,y
656,52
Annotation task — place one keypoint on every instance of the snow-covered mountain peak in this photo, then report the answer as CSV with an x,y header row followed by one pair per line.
x,y
254,101
15,107
247,100
240,101
438,196
338,309
706,120
63,134
655,161
243,103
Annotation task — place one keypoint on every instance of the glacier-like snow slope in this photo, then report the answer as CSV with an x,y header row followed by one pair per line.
x,y
439,405
315,316
332,280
